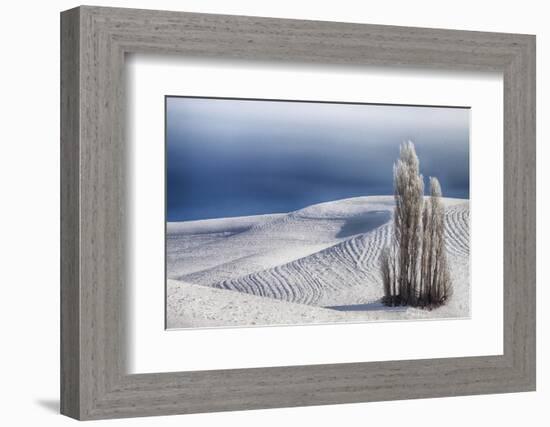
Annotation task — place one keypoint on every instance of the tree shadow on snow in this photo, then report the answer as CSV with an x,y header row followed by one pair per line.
x,y
373,306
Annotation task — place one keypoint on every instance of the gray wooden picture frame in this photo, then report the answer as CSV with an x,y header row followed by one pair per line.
x,y
94,382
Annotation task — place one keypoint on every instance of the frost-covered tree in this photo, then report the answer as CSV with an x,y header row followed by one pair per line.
x,y
408,193
414,268
436,286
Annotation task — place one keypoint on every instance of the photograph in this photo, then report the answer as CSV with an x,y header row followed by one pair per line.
x,y
263,209
295,212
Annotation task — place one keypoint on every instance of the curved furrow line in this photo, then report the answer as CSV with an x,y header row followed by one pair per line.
x,y
457,231
344,270
373,252
372,247
460,220
285,289
354,245
355,250
318,289
259,283
369,267
282,280
324,271
382,239
254,284
284,292
454,242
372,244
317,279
455,246
291,273
270,291
452,224
263,291
348,275
359,273
464,227
244,283
339,259
226,284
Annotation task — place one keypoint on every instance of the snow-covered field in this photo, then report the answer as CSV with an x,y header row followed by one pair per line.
x,y
315,265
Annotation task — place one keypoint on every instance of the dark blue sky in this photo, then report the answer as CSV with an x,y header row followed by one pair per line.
x,y
243,157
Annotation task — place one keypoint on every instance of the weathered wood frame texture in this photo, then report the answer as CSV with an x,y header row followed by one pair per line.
x,y
94,41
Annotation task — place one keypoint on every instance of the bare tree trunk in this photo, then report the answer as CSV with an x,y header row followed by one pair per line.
x,y
386,270
394,275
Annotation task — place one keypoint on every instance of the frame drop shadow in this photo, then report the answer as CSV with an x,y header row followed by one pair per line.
x,y
52,405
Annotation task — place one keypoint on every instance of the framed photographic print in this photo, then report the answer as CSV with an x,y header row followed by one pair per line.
x,y
346,212
283,211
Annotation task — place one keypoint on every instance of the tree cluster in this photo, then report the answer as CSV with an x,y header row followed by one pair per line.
x,y
414,267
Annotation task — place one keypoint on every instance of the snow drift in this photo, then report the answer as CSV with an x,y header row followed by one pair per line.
x,y
321,256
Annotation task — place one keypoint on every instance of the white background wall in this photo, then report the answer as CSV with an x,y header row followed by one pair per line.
x,y
29,216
